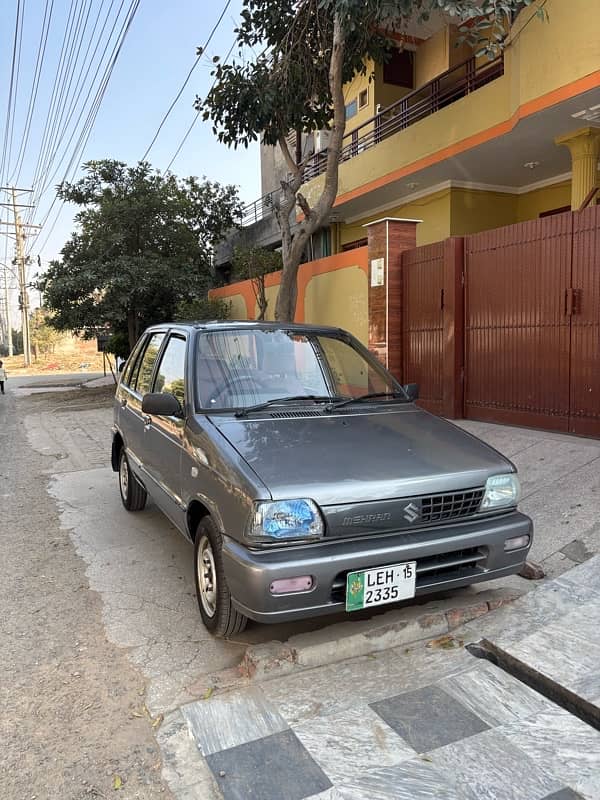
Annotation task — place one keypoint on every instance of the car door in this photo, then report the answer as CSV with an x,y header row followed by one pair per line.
x,y
163,436
139,383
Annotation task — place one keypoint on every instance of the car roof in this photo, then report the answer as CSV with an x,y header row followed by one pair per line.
x,y
230,324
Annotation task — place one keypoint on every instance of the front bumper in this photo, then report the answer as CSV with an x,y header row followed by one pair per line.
x,y
447,557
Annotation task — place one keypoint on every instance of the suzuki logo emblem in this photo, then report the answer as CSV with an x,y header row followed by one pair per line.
x,y
411,512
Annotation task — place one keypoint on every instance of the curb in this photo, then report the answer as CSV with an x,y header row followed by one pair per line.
x,y
360,638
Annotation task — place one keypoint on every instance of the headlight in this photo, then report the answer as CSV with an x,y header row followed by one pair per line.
x,y
285,520
501,491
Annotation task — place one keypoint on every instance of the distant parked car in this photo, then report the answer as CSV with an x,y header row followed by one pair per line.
x,y
304,473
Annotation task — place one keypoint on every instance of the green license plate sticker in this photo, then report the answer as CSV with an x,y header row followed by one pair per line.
x,y
376,587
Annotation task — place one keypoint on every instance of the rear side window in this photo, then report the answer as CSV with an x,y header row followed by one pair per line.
x,y
132,362
142,373
170,374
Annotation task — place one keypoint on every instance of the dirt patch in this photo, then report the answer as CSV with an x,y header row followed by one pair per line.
x,y
79,398
74,723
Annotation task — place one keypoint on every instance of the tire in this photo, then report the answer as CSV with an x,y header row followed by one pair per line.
x,y
132,492
218,613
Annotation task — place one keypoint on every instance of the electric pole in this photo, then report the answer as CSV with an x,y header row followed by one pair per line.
x,y
20,264
7,312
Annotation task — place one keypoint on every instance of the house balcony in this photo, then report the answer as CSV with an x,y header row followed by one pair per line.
x,y
443,90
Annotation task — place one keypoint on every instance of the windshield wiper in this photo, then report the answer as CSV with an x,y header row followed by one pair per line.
x,y
243,412
361,397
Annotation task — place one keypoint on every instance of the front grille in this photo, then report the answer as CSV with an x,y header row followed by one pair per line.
x,y
450,506
440,568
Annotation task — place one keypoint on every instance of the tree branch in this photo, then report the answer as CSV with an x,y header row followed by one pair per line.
x,y
290,163
303,203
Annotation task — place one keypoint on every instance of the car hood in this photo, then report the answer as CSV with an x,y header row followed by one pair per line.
x,y
353,457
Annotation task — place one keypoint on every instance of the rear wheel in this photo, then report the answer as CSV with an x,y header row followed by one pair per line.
x,y
218,613
133,493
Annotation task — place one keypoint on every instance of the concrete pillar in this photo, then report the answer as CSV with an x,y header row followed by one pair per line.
x,y
584,146
388,238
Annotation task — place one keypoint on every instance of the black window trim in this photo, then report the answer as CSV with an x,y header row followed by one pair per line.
x,y
173,334
150,336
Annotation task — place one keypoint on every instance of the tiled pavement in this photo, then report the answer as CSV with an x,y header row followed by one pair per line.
x,y
417,724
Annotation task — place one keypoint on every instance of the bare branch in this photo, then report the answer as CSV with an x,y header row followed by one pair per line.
x,y
290,163
304,206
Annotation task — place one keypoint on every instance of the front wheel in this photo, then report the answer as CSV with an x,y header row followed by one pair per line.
x,y
218,613
133,493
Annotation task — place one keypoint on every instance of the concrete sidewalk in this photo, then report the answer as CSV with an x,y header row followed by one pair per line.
x,y
420,723
560,479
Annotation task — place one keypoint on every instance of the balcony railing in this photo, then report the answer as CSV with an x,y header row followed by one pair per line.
x,y
442,91
438,93
254,212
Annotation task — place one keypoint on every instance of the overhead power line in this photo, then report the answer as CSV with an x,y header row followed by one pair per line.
x,y
88,125
34,90
189,75
195,120
9,112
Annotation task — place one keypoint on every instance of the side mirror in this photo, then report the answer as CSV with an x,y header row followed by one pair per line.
x,y
121,366
412,391
161,405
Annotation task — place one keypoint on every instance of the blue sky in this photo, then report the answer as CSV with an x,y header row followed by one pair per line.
x,y
157,54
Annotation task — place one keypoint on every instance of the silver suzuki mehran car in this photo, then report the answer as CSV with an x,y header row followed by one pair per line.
x,y
304,474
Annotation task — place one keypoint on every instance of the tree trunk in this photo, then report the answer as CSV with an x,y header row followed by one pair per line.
x,y
132,325
292,246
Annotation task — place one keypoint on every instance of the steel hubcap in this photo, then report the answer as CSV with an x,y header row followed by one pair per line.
x,y
207,576
124,477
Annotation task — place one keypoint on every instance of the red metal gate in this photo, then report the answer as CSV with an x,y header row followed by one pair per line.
x,y
517,329
423,323
584,304
532,323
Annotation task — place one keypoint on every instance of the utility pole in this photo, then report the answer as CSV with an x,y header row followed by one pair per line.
x,y
8,314
20,264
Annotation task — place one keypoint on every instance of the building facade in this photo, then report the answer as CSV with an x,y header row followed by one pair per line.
x,y
462,144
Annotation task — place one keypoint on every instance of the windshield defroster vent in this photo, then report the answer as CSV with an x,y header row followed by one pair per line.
x,y
290,414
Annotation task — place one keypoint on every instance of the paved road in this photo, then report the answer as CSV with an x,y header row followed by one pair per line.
x,y
143,619
73,722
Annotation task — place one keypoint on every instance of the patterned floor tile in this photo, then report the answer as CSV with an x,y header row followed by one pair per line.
x,y
558,653
489,767
494,695
564,794
588,686
274,768
429,718
232,719
569,746
348,743
411,780
337,687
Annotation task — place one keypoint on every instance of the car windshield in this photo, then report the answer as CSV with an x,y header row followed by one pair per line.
x,y
240,368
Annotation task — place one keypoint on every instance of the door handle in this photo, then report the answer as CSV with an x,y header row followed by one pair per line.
x,y
147,419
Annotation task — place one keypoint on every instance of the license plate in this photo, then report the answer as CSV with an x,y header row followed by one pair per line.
x,y
375,587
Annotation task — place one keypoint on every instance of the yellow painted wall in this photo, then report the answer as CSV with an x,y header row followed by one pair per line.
x,y
473,211
544,56
351,92
237,307
339,298
532,204
434,210
458,211
432,57
271,293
